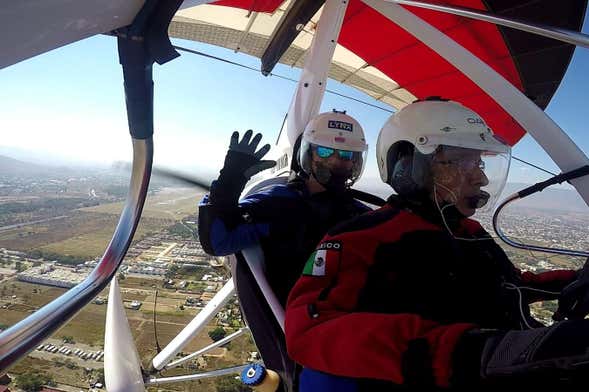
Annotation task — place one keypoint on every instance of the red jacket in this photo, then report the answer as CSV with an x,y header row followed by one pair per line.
x,y
388,295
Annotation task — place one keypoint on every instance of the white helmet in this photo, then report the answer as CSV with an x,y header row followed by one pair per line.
x,y
333,132
425,127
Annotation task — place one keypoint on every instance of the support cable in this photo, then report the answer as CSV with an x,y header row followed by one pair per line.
x,y
327,90
278,76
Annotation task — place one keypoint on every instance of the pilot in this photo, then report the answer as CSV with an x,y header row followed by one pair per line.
x,y
287,220
418,295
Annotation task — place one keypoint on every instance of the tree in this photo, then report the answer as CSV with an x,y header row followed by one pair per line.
x,y
32,382
181,230
68,339
217,334
70,364
171,272
19,267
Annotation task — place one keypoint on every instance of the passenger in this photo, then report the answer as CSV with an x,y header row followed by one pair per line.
x,y
416,294
286,220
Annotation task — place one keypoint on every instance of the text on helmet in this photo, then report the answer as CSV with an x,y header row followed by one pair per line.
x,y
340,125
472,120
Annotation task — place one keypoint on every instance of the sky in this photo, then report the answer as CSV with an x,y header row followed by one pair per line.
x,y
68,106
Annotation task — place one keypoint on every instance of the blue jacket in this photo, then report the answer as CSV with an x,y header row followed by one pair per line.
x,y
285,220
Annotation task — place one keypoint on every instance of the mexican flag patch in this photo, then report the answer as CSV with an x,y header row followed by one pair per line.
x,y
316,263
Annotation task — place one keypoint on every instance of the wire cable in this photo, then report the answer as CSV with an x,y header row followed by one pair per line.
x,y
157,343
327,90
534,166
278,76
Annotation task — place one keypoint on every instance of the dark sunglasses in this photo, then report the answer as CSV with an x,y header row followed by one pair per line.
x,y
326,152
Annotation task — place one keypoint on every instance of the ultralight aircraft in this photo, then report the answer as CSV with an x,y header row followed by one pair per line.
x,y
503,59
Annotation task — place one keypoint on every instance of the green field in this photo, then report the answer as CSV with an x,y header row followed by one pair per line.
x,y
87,327
86,232
170,203
82,234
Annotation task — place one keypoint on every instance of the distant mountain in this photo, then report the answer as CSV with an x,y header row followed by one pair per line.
x,y
21,162
15,167
557,199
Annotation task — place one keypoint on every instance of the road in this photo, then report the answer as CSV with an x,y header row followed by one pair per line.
x,y
17,225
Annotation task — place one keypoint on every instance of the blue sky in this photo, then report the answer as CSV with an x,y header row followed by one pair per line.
x,y
69,105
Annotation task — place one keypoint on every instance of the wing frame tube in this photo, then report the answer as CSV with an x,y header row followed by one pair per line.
x,y
557,33
557,144
197,376
141,44
307,98
194,327
208,348
254,257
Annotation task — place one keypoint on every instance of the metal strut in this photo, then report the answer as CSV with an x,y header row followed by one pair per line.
x,y
560,34
140,44
299,14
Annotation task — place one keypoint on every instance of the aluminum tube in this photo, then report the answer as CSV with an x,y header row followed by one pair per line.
x,y
195,326
564,35
27,334
190,377
255,261
208,348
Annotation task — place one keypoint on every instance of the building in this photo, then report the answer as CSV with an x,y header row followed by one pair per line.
x,y
50,276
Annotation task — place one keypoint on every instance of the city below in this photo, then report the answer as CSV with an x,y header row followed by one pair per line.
x,y
54,227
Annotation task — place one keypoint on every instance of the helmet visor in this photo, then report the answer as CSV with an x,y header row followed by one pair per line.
x,y
471,179
326,152
496,168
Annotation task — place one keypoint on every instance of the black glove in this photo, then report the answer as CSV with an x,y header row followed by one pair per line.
x,y
556,353
241,163
573,302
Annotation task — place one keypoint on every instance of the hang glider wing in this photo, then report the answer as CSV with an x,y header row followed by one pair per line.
x,y
381,59
373,54
29,27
